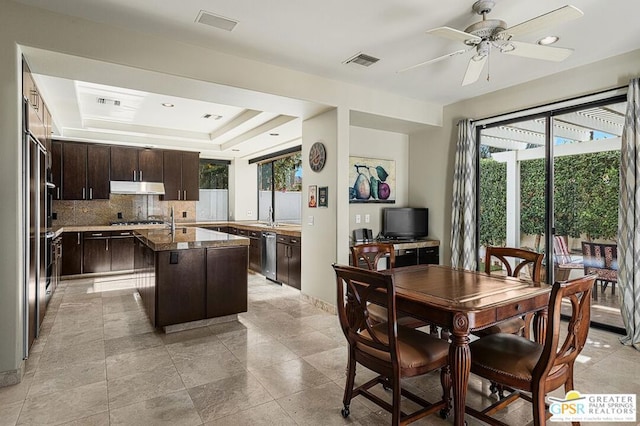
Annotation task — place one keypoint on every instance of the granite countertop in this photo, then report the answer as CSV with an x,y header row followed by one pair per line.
x,y
285,229
188,238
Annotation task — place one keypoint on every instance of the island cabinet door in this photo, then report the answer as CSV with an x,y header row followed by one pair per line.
x,y
180,286
226,281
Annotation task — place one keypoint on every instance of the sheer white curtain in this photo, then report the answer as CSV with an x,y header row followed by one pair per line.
x,y
463,215
629,219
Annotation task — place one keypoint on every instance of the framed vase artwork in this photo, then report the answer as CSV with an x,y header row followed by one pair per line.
x,y
313,196
372,180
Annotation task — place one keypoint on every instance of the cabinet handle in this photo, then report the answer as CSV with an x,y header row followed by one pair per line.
x,y
99,234
84,193
58,193
140,175
107,242
124,233
91,193
185,195
78,238
134,175
178,195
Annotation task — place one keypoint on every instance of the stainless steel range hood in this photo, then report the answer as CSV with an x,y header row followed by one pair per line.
x,y
144,188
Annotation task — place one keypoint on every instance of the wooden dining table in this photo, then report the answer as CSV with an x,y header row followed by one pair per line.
x,y
462,301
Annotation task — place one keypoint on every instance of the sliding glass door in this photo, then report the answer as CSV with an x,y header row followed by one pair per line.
x,y
549,183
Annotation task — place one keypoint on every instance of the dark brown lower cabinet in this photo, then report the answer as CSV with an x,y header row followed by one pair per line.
x,y
71,253
180,286
288,260
226,281
122,251
145,266
96,252
255,250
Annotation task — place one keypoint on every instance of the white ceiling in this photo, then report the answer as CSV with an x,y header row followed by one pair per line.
x,y
316,37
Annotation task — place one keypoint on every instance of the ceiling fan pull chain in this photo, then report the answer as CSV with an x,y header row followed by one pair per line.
x,y
488,64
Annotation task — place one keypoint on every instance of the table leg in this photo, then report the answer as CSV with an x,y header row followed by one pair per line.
x,y
540,326
460,361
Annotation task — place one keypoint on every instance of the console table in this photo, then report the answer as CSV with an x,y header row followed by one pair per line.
x,y
418,252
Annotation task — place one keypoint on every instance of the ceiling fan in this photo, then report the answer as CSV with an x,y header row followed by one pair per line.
x,y
494,33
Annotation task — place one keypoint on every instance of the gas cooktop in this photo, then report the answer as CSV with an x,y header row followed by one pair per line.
x,y
138,222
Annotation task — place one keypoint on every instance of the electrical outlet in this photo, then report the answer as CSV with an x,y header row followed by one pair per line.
x,y
184,214
367,218
249,213
358,218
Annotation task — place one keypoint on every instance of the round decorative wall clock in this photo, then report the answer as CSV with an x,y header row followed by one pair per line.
x,y
317,156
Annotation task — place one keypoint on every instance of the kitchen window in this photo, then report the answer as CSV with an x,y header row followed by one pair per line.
x,y
214,190
280,188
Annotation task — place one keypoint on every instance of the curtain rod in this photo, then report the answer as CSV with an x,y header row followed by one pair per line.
x,y
546,107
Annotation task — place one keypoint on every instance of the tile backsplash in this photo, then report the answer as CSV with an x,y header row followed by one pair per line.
x,y
132,207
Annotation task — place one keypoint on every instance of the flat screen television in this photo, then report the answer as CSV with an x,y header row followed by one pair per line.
x,y
405,223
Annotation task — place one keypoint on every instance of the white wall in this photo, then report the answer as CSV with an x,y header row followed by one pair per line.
x,y
364,142
319,225
432,152
245,190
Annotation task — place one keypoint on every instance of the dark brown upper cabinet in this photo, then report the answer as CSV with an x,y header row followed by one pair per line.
x,y
85,171
136,164
56,169
181,176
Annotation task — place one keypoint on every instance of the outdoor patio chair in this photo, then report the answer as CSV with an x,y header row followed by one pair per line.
x,y
563,261
602,260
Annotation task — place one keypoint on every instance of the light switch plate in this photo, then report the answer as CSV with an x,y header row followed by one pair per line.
x,y
358,218
367,218
310,220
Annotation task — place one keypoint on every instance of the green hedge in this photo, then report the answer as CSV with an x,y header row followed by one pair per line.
x,y
585,197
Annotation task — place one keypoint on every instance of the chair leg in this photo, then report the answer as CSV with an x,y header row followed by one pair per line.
x,y
568,386
348,389
396,412
539,408
445,381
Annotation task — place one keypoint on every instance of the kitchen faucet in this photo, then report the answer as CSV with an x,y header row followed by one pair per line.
x,y
173,222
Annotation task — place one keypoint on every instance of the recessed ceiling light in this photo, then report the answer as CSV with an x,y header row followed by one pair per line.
x,y
235,150
545,41
168,105
274,134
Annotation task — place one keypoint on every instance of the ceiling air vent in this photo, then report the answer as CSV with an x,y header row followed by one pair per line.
x,y
106,101
216,21
362,59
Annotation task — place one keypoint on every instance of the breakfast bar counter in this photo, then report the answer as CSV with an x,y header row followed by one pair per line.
x,y
187,238
191,277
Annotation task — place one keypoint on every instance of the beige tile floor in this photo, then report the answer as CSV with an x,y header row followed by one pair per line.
x,y
99,362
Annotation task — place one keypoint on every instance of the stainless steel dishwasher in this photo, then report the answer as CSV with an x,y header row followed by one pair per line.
x,y
269,255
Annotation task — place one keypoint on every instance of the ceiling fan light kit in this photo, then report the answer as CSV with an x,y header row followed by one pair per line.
x,y
488,33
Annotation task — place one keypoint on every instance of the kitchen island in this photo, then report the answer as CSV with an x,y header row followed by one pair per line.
x,y
191,277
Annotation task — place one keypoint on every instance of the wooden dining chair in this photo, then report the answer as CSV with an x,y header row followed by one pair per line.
x,y
369,256
514,261
389,349
520,364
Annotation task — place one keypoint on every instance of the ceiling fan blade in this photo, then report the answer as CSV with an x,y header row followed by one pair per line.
x,y
558,16
547,53
473,70
453,34
431,61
